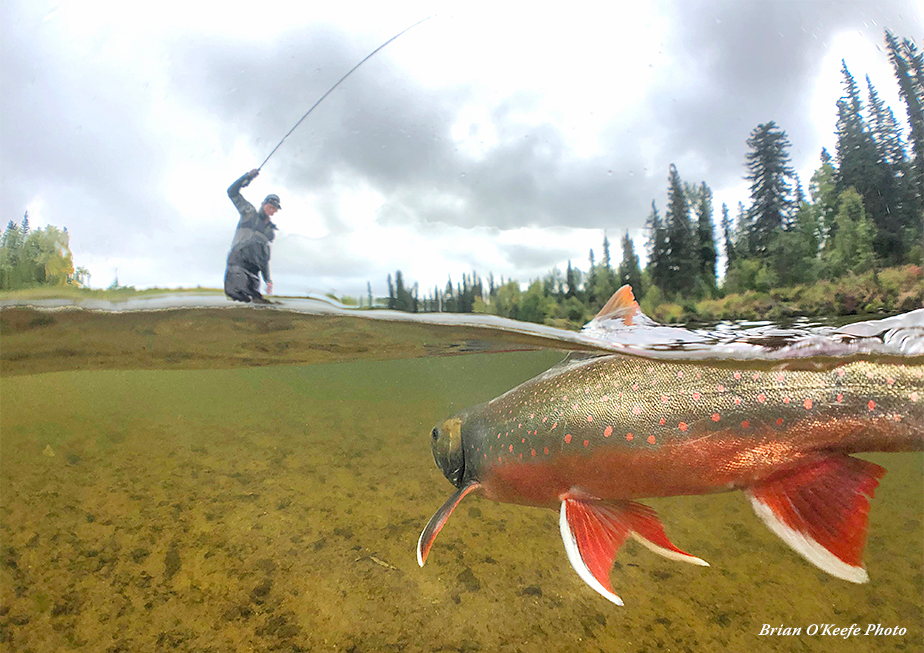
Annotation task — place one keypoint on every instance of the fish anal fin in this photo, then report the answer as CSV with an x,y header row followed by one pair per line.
x,y
621,306
822,512
593,532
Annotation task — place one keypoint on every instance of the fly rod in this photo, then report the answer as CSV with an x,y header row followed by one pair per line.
x,y
368,56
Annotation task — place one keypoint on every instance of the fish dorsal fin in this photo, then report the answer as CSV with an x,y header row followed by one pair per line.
x,y
821,511
621,306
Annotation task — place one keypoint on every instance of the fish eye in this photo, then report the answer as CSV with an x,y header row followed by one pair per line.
x,y
435,434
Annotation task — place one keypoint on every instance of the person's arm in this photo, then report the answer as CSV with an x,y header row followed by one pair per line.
x,y
234,190
264,268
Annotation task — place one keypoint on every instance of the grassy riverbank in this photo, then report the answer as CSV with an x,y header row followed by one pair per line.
x,y
892,290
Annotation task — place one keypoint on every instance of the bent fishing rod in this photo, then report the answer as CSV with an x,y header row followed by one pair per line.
x,y
368,56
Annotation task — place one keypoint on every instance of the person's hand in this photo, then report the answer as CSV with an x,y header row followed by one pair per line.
x,y
269,287
249,177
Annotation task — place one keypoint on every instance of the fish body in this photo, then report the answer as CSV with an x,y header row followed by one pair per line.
x,y
591,436
629,428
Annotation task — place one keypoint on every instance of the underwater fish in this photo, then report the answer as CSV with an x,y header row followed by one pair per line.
x,y
591,436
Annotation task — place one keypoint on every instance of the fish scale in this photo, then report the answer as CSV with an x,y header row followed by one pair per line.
x,y
620,402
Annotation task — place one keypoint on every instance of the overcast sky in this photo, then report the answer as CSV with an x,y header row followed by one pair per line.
x,y
495,136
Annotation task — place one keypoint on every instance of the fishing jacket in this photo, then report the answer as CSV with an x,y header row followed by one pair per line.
x,y
255,231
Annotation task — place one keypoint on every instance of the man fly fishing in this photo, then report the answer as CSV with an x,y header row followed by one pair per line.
x,y
250,251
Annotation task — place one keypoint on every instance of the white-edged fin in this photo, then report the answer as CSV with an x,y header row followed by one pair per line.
x,y
807,547
577,562
821,510
668,553
438,520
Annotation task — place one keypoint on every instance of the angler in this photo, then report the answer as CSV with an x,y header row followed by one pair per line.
x,y
250,251
591,436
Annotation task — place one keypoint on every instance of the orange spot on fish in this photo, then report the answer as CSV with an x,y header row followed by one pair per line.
x,y
720,388
840,397
629,437
651,439
871,404
636,410
786,400
545,419
546,451
605,398
715,417
523,441
532,452
914,396
779,421
590,418
554,425
745,424
511,448
635,386
696,396
682,426
665,399
737,376
680,374
779,377
737,401
586,442
661,421
841,371
890,381
808,404
574,407
761,397
608,431
567,438
755,376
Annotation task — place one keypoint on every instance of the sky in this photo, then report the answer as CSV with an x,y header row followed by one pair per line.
x,y
493,137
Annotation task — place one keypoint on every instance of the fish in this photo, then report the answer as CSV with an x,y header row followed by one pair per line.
x,y
596,433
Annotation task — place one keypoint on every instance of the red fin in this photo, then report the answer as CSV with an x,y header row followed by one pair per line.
x,y
621,305
435,525
594,531
822,511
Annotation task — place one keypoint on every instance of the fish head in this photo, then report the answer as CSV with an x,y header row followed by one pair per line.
x,y
446,442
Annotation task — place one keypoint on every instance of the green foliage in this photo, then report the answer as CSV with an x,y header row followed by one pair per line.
x,y
852,249
30,258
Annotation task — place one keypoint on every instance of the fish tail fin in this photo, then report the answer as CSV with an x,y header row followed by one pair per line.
x,y
594,531
822,512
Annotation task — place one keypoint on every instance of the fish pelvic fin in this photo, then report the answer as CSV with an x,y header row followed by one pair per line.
x,y
438,520
593,532
822,512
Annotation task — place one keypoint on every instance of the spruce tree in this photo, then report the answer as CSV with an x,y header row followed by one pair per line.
x,y
682,249
728,235
629,270
705,233
657,247
769,172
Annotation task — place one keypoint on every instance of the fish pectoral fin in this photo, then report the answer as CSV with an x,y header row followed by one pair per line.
x,y
593,532
438,520
821,510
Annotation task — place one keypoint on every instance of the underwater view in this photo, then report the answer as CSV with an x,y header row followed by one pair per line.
x,y
243,479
